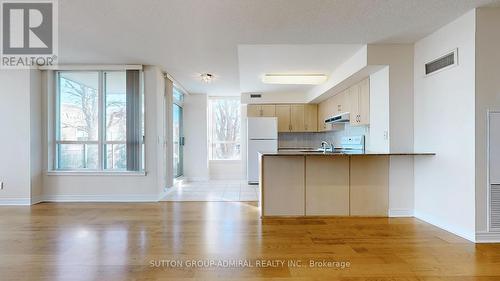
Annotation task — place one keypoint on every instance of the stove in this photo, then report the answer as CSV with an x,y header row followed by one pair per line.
x,y
351,144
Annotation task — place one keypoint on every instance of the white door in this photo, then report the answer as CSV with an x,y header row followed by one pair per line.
x,y
254,147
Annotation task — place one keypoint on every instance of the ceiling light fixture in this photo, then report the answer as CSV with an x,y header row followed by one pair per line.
x,y
294,79
207,77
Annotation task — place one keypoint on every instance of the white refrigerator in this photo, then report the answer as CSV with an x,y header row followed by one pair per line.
x,y
262,134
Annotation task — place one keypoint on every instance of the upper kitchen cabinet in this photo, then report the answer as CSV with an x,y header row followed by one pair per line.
x,y
322,112
261,110
283,114
343,102
310,118
297,121
359,97
291,117
326,109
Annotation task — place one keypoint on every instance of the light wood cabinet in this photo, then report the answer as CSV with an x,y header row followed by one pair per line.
x,y
285,178
297,117
343,102
322,111
261,110
253,110
310,118
268,110
327,186
283,115
324,185
359,97
369,185
297,121
364,102
355,100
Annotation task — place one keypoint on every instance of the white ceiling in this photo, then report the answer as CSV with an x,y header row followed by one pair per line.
x,y
257,60
189,37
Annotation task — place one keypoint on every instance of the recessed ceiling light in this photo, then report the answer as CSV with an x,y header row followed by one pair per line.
x,y
295,79
207,77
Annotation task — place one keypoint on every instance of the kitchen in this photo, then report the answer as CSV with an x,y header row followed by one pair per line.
x,y
316,159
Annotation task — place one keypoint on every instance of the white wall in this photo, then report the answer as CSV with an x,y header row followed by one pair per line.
x,y
118,187
15,170
379,111
196,137
487,97
36,128
443,106
399,58
350,67
275,98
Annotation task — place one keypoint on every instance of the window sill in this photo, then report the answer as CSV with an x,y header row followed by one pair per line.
x,y
95,173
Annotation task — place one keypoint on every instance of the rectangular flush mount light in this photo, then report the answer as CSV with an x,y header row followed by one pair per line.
x,y
295,79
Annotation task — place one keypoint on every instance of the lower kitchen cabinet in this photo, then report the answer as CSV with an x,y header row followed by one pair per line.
x,y
369,186
286,177
327,186
324,185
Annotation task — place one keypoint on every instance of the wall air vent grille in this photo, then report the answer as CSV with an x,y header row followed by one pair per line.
x,y
495,206
441,63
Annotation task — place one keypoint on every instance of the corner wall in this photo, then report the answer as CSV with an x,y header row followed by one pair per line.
x,y
15,169
196,137
487,98
443,106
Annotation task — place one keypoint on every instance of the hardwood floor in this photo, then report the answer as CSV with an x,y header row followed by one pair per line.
x,y
77,241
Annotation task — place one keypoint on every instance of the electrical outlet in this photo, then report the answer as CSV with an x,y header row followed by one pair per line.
x,y
386,135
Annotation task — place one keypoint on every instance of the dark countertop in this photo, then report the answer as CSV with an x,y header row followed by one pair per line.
x,y
365,153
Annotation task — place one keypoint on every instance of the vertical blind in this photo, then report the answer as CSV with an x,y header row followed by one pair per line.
x,y
134,127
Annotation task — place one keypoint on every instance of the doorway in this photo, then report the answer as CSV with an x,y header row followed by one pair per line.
x,y
178,135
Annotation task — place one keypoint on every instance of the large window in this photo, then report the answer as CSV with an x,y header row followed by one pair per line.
x,y
98,120
224,128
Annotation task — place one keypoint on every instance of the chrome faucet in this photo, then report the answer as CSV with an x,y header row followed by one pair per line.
x,y
324,145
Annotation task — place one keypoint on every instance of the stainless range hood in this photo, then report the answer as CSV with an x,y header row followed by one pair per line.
x,y
341,118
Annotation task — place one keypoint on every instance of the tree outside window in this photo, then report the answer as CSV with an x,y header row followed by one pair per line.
x,y
224,129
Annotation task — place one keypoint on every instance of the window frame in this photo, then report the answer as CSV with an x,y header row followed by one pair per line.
x,y
211,141
101,141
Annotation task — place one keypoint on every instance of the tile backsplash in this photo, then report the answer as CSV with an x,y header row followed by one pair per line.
x,y
313,140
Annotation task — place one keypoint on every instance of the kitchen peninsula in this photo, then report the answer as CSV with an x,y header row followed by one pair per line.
x,y
312,183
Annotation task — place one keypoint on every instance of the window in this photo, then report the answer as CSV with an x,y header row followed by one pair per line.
x,y
224,128
99,121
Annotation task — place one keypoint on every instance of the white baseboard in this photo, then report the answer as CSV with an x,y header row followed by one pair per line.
x,y
196,179
164,193
102,198
436,222
36,199
15,201
400,213
487,237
